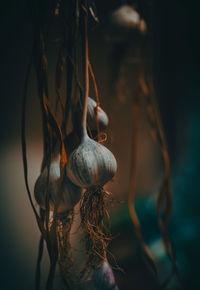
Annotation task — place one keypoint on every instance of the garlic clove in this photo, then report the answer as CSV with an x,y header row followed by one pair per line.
x,y
71,194
91,164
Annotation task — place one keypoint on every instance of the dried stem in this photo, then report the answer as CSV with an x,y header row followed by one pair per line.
x,y
97,100
86,65
58,80
165,191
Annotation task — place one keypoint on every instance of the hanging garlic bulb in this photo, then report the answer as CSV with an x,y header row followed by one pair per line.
x,y
124,21
103,277
102,117
127,17
71,194
91,164
72,140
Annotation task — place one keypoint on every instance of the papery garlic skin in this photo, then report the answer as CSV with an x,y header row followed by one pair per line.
x,y
91,164
71,194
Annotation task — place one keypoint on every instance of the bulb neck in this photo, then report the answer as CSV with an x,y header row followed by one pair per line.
x,y
83,133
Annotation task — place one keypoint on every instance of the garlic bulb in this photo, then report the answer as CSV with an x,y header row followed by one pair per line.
x,y
91,164
102,117
103,277
125,16
123,23
71,194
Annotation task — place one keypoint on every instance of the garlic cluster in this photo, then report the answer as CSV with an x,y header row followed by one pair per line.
x,y
71,194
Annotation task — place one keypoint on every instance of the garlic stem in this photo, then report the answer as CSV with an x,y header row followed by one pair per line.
x,y
86,74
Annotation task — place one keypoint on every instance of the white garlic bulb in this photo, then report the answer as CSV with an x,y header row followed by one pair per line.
x,y
71,194
91,164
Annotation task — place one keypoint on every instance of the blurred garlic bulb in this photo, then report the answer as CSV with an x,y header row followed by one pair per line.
x,y
127,17
103,278
91,164
124,21
71,194
102,117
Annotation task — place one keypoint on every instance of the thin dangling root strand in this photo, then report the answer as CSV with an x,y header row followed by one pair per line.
x,y
164,200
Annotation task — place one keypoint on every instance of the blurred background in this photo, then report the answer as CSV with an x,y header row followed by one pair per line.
x,y
175,52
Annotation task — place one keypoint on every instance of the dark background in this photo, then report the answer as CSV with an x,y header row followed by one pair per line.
x,y
177,77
